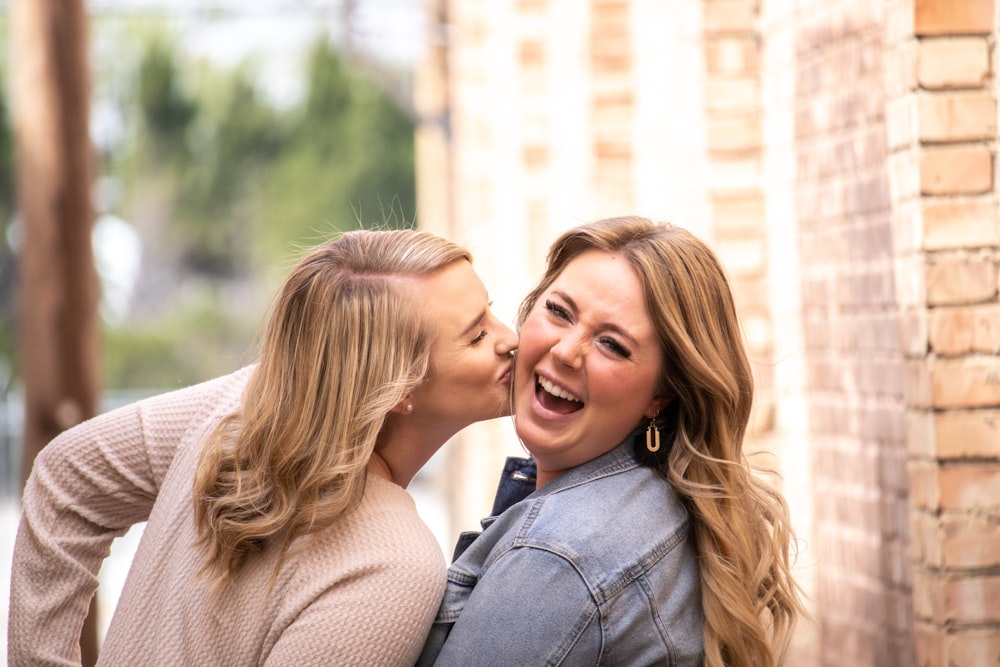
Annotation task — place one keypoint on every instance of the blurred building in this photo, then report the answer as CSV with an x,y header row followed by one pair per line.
x,y
839,155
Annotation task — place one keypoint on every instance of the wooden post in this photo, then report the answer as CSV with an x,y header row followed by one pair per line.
x,y
58,325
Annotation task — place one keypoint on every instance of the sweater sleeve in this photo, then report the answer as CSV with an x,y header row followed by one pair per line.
x,y
87,487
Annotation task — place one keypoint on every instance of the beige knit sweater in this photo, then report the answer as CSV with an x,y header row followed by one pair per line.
x,y
364,593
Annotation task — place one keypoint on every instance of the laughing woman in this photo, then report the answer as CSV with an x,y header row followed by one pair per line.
x,y
637,533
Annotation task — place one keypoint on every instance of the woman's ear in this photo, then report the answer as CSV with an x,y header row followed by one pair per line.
x,y
404,407
657,404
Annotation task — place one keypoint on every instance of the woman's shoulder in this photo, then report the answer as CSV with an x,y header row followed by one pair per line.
x,y
615,488
632,511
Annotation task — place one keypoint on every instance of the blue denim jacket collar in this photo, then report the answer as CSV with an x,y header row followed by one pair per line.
x,y
519,475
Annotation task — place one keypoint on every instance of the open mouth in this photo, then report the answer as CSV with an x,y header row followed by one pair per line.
x,y
555,398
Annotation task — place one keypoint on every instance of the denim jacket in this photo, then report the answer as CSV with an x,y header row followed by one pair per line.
x,y
597,567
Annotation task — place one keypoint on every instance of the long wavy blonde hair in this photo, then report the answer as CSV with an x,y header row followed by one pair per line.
x,y
344,343
741,523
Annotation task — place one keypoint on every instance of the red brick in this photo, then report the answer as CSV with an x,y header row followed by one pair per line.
x,y
966,383
929,644
965,330
969,542
953,62
729,16
957,116
924,487
952,331
967,434
956,170
974,599
953,17
913,334
925,539
737,54
737,133
535,156
960,279
920,443
944,598
917,387
927,596
612,14
531,54
973,647
732,95
969,487
738,215
611,149
960,223
988,329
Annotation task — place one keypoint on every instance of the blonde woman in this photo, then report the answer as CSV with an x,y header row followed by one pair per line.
x,y
637,534
279,530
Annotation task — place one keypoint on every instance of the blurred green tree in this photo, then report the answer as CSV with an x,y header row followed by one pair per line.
x,y
349,161
224,189
8,266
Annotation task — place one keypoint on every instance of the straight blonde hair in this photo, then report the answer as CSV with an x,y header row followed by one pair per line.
x,y
741,524
344,343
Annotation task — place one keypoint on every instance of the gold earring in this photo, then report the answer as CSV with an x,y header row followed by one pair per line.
x,y
653,435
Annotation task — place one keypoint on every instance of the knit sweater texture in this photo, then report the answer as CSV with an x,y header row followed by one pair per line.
x,y
363,592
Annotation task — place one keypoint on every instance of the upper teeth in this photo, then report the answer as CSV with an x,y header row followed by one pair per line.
x,y
557,391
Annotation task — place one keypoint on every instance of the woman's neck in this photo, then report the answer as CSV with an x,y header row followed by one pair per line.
x,y
404,445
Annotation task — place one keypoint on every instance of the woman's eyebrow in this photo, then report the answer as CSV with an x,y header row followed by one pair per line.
x,y
604,325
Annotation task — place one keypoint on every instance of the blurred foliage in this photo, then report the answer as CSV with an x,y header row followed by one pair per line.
x,y
349,163
224,190
165,112
169,353
8,267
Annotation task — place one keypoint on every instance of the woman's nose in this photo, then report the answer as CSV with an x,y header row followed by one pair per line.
x,y
506,341
567,351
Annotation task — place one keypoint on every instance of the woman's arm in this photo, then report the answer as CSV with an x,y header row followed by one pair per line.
x,y
87,487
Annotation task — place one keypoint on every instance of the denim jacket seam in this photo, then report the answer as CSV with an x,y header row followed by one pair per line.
x,y
645,564
566,647
528,520
609,469
654,612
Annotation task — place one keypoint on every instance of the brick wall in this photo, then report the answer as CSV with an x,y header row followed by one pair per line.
x,y
952,333
853,360
840,156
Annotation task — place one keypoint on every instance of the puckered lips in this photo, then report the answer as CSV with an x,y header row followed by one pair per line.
x,y
555,398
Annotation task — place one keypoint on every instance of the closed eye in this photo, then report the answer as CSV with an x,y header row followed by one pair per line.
x,y
615,347
557,310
